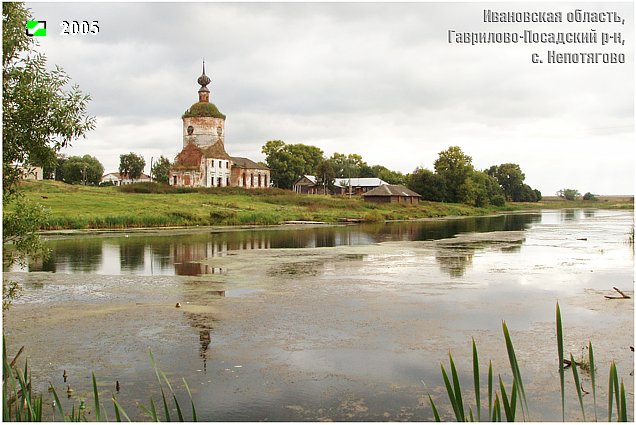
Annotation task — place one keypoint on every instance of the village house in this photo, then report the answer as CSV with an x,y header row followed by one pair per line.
x,y
308,185
203,161
31,172
359,185
392,193
118,179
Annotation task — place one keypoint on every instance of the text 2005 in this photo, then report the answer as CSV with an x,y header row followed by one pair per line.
x,y
79,27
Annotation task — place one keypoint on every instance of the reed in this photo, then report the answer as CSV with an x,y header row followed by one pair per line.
x,y
20,404
617,398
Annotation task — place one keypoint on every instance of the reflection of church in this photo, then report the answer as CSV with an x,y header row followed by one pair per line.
x,y
203,161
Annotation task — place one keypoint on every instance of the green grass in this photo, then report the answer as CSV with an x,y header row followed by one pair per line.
x,y
616,394
20,404
154,205
82,207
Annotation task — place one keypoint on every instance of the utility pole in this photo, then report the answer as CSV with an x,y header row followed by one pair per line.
x,y
151,169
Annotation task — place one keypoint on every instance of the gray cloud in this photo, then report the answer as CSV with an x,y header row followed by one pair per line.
x,y
351,77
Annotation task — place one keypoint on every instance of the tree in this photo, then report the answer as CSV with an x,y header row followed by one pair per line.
x,y
481,190
569,194
428,184
325,176
454,167
39,115
288,162
381,172
131,165
589,196
39,118
55,170
347,166
83,169
510,177
161,170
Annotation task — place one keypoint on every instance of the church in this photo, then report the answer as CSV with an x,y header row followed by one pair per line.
x,y
203,161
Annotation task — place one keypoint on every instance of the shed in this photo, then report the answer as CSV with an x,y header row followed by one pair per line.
x,y
392,193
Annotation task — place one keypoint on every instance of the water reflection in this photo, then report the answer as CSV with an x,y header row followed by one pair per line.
x,y
181,254
455,261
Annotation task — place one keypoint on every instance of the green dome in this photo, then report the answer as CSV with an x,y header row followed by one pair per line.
x,y
203,109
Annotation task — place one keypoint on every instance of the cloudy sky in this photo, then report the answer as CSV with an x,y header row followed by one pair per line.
x,y
377,79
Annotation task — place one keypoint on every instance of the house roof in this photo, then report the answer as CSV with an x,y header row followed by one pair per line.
x,y
312,179
391,190
246,163
360,181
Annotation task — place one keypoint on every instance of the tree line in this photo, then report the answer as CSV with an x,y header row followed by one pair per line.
x,y
454,178
88,170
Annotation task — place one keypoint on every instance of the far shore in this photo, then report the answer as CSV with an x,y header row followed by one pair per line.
x,y
89,210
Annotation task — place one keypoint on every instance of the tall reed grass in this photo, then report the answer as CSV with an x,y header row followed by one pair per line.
x,y
500,402
20,404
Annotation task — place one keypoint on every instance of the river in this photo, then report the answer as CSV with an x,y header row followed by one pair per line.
x,y
344,323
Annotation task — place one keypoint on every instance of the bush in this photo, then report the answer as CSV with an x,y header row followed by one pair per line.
x,y
590,197
222,216
498,201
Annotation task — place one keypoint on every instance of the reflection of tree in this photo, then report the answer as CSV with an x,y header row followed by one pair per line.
x,y
131,254
569,215
589,213
40,264
454,260
447,228
82,256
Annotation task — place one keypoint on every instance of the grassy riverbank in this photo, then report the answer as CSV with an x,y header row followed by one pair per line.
x,y
86,207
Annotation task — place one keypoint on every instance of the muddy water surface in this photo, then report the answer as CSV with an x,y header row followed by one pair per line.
x,y
338,323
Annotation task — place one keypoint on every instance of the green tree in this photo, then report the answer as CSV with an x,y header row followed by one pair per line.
x,y
510,178
161,170
481,190
325,176
428,184
453,166
526,194
131,165
40,116
288,162
569,194
55,170
589,196
347,166
83,169
381,172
